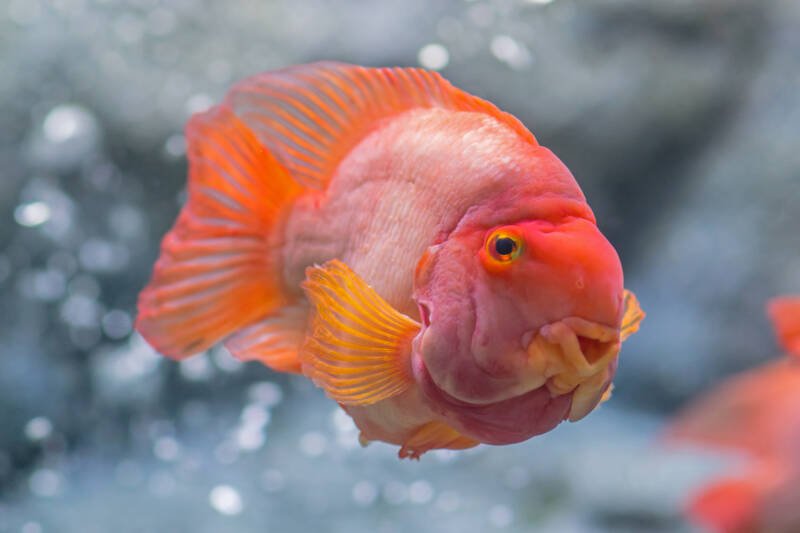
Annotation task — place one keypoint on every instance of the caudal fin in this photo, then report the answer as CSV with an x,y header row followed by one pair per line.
x,y
217,270
785,315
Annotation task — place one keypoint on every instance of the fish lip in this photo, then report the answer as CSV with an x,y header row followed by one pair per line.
x,y
575,355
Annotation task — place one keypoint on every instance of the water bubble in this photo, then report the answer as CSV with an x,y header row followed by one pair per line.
x,y
84,337
160,428
433,56
395,492
198,103
117,324
255,415
273,480
128,372
501,516
517,477
81,311
445,456
166,449
511,52
68,134
219,71
32,214
47,285
342,421
346,430
99,255
313,444
448,502
225,500
31,527
196,368
265,393
127,222
84,285
38,428
420,492
481,15
249,438
45,483
175,146
224,360
65,122
365,493
162,484
226,453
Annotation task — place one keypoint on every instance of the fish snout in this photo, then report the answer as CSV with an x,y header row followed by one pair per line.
x,y
577,356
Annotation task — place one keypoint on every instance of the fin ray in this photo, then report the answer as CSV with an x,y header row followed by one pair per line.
x,y
310,116
217,272
359,345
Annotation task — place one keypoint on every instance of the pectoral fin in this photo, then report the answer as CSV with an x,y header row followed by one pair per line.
x,y
359,346
633,316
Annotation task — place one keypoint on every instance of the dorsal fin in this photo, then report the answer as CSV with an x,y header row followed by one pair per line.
x,y
311,116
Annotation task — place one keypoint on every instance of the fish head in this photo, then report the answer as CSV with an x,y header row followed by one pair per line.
x,y
521,324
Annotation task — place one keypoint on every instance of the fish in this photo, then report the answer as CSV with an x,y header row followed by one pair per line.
x,y
755,414
405,245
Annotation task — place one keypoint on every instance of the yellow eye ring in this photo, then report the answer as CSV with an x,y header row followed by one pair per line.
x,y
502,246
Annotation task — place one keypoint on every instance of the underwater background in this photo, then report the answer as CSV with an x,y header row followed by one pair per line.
x,y
680,120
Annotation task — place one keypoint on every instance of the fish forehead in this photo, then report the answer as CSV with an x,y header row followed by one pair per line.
x,y
457,154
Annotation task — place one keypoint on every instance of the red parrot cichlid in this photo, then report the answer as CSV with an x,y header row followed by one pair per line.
x,y
756,413
407,246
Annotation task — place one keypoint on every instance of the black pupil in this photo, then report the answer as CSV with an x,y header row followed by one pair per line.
x,y
504,245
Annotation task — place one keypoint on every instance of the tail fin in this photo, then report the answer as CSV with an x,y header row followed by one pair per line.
x,y
217,271
729,506
785,315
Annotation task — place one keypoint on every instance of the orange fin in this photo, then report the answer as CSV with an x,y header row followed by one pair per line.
x,y
728,506
785,315
215,273
311,116
274,341
358,347
434,436
632,317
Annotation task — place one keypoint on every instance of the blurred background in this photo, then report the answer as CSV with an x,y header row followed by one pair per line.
x,y
681,121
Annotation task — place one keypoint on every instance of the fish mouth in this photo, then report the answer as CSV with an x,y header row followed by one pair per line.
x,y
578,356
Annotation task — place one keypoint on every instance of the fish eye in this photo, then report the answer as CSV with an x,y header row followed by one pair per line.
x,y
503,245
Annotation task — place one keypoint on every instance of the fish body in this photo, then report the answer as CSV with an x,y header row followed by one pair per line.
x,y
756,413
407,246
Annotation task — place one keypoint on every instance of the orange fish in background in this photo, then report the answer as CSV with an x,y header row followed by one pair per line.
x,y
406,245
756,413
